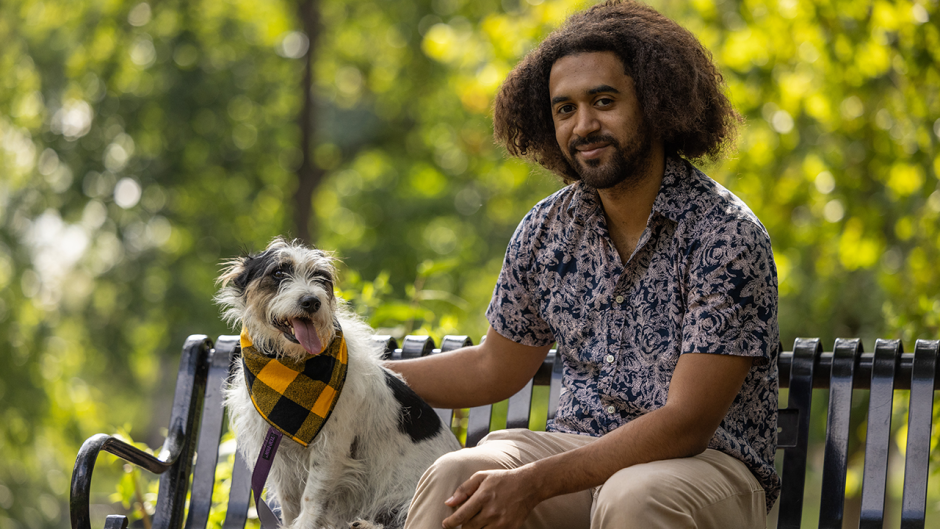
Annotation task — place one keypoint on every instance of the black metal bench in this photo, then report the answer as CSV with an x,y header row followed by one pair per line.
x,y
196,425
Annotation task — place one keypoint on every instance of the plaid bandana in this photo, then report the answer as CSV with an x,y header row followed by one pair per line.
x,y
296,397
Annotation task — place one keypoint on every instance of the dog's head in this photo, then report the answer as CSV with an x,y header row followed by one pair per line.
x,y
283,296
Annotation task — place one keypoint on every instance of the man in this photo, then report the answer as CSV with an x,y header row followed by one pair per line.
x,y
657,284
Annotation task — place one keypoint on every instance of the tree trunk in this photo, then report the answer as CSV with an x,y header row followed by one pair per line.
x,y
309,175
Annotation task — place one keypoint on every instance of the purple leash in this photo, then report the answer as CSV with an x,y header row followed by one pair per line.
x,y
272,440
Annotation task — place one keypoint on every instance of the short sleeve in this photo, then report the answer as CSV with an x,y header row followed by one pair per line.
x,y
513,311
732,294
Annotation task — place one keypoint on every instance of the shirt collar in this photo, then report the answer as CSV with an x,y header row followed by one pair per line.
x,y
584,200
672,201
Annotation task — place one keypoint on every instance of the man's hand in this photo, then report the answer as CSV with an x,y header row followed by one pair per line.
x,y
495,499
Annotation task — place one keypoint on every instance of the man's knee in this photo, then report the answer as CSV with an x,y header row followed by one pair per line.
x,y
457,467
641,489
678,493
646,498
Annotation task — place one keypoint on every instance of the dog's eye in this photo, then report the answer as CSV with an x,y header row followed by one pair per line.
x,y
279,274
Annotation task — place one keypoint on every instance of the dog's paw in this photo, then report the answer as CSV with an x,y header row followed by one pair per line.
x,y
362,524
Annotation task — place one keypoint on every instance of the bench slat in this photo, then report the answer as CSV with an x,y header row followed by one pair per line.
x,y
517,416
878,435
555,387
449,343
115,521
227,351
800,398
236,513
207,451
478,424
184,432
446,416
919,428
388,345
832,504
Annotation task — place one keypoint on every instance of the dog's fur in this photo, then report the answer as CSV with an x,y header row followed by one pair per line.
x,y
365,462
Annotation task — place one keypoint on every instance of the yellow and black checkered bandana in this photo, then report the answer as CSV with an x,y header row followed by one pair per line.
x,y
296,397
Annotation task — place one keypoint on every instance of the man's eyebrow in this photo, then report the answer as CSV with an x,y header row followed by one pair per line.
x,y
600,89
603,89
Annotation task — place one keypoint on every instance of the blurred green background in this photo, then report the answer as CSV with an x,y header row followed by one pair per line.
x,y
141,144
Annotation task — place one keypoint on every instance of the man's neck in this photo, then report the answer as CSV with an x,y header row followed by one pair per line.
x,y
627,207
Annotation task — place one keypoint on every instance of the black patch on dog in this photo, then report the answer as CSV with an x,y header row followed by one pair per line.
x,y
417,419
253,268
354,448
386,518
325,278
281,272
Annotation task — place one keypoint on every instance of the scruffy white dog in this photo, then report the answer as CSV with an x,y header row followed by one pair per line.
x,y
379,437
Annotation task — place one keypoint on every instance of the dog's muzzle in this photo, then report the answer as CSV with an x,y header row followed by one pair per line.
x,y
310,304
301,330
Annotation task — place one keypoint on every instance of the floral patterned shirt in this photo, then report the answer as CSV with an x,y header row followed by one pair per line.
x,y
701,280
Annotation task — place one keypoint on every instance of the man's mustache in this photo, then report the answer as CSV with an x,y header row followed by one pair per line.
x,y
595,138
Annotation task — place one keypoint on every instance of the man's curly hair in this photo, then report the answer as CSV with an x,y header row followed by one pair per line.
x,y
679,89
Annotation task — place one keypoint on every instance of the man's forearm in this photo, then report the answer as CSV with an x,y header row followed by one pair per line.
x,y
432,377
656,436
702,389
505,497
472,376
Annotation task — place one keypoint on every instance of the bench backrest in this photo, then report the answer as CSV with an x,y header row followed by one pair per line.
x,y
846,368
197,423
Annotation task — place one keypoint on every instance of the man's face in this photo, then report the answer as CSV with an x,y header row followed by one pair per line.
x,y
599,125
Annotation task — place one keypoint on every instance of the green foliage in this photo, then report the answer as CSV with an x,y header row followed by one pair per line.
x,y
143,143
839,157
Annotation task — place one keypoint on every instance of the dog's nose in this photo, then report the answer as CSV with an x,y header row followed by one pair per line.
x,y
310,303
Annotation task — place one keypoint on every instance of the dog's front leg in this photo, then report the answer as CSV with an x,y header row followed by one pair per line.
x,y
289,501
311,510
323,503
312,504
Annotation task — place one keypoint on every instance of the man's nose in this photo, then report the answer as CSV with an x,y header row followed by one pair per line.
x,y
586,123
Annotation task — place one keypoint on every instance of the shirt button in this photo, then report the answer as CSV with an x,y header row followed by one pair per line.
x,y
619,299
609,359
611,409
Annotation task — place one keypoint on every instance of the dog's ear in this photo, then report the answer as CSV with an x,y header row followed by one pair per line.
x,y
253,267
244,270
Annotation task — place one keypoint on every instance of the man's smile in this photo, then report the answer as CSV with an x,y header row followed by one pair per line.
x,y
592,147
592,150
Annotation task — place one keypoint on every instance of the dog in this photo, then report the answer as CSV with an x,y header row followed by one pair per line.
x,y
362,467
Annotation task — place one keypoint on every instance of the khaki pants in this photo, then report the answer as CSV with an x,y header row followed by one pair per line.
x,y
711,490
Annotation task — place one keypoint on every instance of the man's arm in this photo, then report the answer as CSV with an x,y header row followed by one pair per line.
x,y
702,389
472,376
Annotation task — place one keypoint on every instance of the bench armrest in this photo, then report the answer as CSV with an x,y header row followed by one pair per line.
x,y
85,466
175,460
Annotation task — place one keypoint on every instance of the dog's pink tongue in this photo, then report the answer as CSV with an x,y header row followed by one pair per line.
x,y
307,335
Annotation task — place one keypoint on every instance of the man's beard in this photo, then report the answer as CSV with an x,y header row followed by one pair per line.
x,y
626,167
